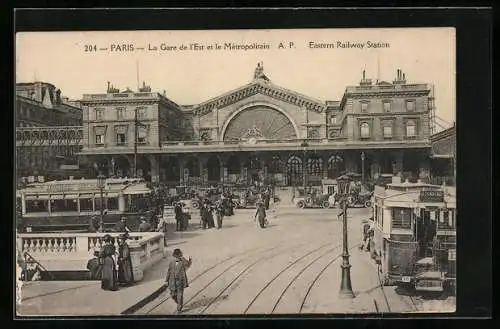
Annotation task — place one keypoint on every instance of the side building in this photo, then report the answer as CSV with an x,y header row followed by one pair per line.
x,y
262,132
39,105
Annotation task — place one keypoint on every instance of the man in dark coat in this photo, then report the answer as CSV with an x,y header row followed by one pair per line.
x,y
176,279
107,261
261,212
178,216
125,273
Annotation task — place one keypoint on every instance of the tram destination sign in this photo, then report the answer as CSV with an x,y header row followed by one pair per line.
x,y
431,196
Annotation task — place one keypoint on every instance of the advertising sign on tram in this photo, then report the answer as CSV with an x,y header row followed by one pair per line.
x,y
431,196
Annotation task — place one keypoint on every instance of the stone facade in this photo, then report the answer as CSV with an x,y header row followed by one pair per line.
x,y
245,133
40,105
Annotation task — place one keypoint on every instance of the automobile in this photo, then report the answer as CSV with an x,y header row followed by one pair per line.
x,y
312,201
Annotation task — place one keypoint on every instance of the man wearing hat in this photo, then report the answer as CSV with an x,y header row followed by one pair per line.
x,y
261,212
125,274
121,226
176,279
93,224
144,226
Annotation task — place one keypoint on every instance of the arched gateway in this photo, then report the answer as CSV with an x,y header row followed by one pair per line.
x,y
259,122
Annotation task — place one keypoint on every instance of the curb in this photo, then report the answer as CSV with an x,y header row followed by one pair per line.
x,y
143,302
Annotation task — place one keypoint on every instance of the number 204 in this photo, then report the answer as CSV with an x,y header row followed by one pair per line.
x,y
90,48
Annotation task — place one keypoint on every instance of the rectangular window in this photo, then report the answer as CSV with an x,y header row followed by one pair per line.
x,y
387,107
99,114
365,130
411,129
142,135
446,219
112,204
64,205
410,106
388,131
141,113
120,113
99,139
333,120
121,139
36,206
86,204
401,218
364,107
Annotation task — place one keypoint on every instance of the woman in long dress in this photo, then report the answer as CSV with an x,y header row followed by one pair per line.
x,y
108,278
125,274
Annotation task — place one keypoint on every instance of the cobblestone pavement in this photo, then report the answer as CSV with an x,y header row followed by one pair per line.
x,y
290,267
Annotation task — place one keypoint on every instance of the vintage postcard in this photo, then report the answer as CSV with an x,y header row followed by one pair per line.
x,y
235,172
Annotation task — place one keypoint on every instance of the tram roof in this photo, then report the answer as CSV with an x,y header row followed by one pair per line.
x,y
410,192
126,185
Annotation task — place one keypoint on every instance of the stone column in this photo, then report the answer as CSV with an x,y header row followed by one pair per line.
x,y
155,168
222,161
397,164
325,157
182,162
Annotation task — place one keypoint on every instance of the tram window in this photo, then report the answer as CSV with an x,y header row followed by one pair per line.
x,y
445,219
112,204
36,206
98,204
64,205
401,218
86,204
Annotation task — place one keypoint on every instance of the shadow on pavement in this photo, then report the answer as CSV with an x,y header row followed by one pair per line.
x,y
203,302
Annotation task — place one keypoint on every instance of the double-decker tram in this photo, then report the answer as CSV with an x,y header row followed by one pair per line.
x,y
414,237
69,204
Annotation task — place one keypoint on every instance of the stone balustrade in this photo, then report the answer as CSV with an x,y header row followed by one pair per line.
x,y
71,251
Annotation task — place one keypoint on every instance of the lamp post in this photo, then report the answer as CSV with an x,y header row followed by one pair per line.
x,y
304,146
345,284
101,181
362,166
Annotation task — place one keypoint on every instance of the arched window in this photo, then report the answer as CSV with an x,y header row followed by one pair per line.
x,y
335,166
411,129
294,165
365,130
315,166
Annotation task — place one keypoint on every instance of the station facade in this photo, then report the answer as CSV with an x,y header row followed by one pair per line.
x,y
260,132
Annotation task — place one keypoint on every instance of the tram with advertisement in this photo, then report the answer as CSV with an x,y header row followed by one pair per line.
x,y
68,205
414,235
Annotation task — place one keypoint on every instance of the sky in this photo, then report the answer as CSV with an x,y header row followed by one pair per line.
x,y
83,62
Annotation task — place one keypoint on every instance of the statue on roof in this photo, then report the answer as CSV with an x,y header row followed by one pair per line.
x,y
259,72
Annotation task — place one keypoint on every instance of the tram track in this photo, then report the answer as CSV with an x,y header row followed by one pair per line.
x,y
246,269
280,273
253,253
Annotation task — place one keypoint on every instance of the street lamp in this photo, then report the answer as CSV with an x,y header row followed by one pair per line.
x,y
101,181
362,166
345,284
304,146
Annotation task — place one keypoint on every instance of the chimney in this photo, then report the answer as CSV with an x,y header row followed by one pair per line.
x,y
108,86
363,74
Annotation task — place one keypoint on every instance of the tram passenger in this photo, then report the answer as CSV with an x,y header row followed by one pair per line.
x,y
144,226
121,226
93,224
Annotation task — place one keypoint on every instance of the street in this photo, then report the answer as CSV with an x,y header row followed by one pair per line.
x,y
290,267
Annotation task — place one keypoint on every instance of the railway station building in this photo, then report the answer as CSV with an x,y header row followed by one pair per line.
x,y
261,132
